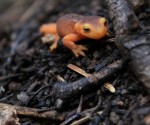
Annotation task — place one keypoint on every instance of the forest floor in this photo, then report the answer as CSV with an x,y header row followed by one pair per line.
x,y
28,70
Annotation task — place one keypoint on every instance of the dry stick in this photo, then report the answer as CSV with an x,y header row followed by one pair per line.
x,y
64,91
32,112
79,109
32,86
77,115
88,114
82,120
78,70
133,43
6,97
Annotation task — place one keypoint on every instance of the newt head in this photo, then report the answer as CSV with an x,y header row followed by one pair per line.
x,y
92,27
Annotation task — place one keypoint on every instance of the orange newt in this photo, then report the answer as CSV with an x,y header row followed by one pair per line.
x,y
73,27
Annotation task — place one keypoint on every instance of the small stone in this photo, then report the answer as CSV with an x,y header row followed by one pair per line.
x,y
114,117
23,96
48,39
13,86
59,103
124,91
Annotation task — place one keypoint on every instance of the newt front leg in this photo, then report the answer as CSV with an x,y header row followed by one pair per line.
x,y
69,41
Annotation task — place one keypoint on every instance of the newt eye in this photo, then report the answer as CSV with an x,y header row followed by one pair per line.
x,y
86,28
104,21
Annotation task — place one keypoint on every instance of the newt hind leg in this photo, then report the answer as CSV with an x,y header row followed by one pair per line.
x,y
54,45
69,42
50,29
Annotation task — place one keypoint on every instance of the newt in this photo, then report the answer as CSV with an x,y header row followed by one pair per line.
x,y
73,28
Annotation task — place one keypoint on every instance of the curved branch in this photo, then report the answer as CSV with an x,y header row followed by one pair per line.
x,y
133,42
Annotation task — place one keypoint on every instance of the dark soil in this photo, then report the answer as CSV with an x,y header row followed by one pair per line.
x,y
26,65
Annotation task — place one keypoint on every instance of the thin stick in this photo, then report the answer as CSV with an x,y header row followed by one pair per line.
x,y
32,112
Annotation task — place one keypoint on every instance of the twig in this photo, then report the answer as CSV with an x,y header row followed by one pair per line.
x,y
32,112
79,109
102,114
97,106
94,109
29,101
107,60
33,85
76,115
82,120
5,98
